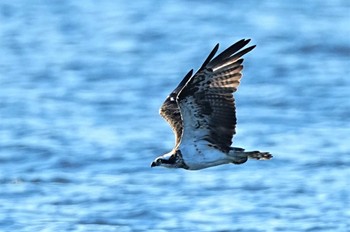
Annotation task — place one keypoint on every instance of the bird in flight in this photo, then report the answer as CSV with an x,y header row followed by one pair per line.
x,y
201,111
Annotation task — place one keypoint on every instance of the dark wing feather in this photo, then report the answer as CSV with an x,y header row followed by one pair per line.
x,y
170,110
206,101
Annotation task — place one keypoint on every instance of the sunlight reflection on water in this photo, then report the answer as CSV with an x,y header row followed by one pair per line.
x,y
81,86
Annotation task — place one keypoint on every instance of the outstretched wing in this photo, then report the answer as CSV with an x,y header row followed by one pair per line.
x,y
206,102
170,110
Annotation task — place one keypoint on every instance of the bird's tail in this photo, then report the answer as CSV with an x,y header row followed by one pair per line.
x,y
239,156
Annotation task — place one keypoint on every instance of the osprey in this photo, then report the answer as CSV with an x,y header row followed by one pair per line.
x,y
201,112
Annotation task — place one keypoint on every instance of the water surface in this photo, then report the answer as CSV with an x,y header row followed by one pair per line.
x,y
81,84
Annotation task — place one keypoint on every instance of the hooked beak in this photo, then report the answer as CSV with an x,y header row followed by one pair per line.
x,y
153,164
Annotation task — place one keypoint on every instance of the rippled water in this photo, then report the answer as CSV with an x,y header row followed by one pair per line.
x,y
81,84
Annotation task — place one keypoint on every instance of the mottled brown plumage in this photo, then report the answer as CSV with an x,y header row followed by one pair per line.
x,y
207,99
170,110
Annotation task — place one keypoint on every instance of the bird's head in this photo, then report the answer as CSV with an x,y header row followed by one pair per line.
x,y
170,160
158,162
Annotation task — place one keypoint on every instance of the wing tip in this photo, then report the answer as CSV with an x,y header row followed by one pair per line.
x,y
210,56
235,50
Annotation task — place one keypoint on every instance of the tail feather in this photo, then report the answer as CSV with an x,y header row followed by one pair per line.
x,y
258,155
239,156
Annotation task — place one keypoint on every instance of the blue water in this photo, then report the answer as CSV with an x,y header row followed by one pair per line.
x,y
81,84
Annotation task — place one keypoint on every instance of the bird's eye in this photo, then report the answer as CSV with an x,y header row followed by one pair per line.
x,y
159,161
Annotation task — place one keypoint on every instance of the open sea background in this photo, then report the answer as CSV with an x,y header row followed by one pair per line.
x,y
81,83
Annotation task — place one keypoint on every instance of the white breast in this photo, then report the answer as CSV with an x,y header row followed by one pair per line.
x,y
199,155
